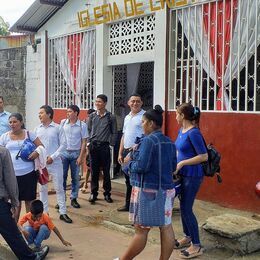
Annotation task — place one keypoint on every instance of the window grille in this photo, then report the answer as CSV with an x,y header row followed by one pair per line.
x,y
214,56
72,70
131,36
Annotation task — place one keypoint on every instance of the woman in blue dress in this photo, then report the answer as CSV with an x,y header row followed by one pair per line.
x,y
145,172
191,152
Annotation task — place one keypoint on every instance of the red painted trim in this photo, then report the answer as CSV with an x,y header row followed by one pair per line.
x,y
237,138
60,114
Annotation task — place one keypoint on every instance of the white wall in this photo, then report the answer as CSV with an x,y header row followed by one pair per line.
x,y
65,22
35,93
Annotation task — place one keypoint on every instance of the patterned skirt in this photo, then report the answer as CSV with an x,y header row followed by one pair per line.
x,y
134,204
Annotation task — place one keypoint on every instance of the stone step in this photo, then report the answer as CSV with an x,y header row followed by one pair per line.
x,y
235,232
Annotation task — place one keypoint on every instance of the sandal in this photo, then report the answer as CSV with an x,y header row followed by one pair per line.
x,y
186,255
179,245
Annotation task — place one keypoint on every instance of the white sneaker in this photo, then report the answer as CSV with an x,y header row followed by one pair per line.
x,y
116,258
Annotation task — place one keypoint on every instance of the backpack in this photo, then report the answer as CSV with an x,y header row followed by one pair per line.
x,y
212,166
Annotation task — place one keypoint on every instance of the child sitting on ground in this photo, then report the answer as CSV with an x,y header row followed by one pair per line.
x,y
40,226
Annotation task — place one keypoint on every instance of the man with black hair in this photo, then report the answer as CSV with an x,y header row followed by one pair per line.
x,y
53,138
131,130
39,226
76,133
8,226
103,132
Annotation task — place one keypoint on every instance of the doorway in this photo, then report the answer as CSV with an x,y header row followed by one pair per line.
x,y
129,79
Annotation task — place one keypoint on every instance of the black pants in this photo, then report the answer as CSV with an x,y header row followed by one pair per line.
x,y
100,158
11,234
127,183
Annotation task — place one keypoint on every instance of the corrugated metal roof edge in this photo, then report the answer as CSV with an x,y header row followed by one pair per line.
x,y
20,26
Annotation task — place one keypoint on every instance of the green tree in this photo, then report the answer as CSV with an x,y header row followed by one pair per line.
x,y
4,26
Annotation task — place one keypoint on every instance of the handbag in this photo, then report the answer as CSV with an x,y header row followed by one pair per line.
x,y
26,149
43,176
151,211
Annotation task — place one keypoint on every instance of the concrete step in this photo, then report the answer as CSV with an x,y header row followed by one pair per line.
x,y
241,234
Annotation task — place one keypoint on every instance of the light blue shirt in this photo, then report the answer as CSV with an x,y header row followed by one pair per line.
x,y
53,138
4,122
132,128
74,133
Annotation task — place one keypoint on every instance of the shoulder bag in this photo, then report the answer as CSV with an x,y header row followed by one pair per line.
x,y
151,211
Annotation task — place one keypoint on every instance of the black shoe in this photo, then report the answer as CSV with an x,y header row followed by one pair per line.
x,y
108,199
75,204
123,209
65,218
42,253
57,206
92,199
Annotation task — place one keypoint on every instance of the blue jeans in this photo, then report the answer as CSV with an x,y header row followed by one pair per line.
x,y
69,159
36,237
189,187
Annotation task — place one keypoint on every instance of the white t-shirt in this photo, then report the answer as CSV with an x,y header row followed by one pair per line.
x,y
20,167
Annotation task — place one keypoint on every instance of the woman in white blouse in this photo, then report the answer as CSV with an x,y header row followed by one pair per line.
x,y
25,172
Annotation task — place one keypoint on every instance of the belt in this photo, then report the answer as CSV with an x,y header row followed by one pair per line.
x,y
100,143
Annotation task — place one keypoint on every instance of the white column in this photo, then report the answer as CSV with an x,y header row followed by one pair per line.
x,y
160,56
35,81
103,72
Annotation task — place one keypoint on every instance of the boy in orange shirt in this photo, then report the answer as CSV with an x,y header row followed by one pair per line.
x,y
40,226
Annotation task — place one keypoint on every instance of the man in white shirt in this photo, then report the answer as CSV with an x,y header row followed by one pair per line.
x,y
76,133
53,138
131,130
4,118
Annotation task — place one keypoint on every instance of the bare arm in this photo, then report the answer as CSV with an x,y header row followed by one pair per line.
x,y
64,242
193,161
121,148
82,151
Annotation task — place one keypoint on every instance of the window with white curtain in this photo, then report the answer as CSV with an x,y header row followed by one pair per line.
x,y
214,56
71,70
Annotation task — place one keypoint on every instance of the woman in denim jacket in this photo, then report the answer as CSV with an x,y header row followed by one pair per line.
x,y
191,153
145,164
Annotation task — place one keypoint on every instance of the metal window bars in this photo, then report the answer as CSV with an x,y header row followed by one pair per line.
x,y
215,56
68,82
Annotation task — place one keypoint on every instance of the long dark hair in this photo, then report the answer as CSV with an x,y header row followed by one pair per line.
x,y
155,115
19,117
190,112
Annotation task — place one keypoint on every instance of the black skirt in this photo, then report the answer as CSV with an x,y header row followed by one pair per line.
x,y
27,185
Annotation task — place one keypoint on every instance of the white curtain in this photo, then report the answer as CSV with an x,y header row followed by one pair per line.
x,y
247,12
86,61
192,23
61,50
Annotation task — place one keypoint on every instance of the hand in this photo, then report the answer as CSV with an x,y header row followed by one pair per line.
x,y
49,160
13,211
120,159
33,155
66,243
79,161
127,159
179,166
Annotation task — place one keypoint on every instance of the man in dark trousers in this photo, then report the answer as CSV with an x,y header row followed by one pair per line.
x,y
8,203
131,130
103,132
